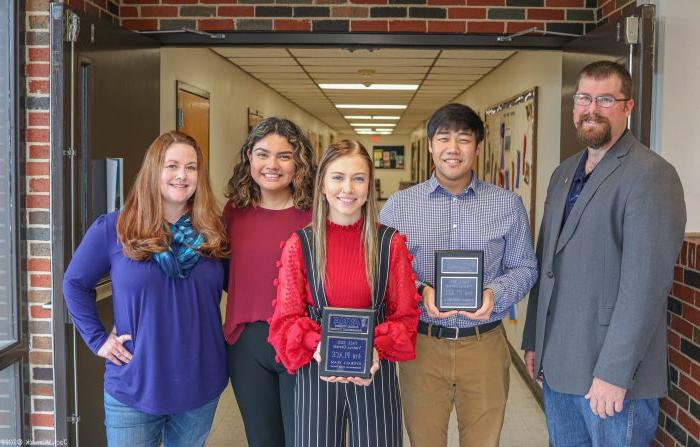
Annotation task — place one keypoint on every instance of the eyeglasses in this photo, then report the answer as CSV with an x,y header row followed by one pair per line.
x,y
606,101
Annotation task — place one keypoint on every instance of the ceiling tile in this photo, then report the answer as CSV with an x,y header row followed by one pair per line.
x,y
295,73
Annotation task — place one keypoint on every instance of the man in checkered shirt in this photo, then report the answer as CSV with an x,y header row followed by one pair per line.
x,y
462,358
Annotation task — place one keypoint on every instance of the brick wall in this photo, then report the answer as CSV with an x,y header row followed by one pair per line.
x,y
679,423
37,203
609,10
99,8
421,16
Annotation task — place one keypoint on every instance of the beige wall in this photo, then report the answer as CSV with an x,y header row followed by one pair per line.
x,y
389,178
231,93
521,72
677,97
524,70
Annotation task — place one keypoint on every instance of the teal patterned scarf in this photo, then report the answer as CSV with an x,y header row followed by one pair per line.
x,y
177,262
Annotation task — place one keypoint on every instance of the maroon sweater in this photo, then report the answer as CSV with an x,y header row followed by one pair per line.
x,y
255,236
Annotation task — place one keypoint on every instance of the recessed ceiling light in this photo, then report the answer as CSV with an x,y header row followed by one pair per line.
x,y
371,106
371,117
373,124
372,132
410,87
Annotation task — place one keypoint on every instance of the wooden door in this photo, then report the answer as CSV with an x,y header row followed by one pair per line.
x,y
193,115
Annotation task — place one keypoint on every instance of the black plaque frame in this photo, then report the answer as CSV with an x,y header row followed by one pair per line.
x,y
327,332
440,255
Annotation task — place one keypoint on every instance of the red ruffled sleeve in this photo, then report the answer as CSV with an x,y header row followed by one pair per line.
x,y
395,338
292,333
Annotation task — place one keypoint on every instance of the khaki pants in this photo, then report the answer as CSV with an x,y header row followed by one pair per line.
x,y
471,374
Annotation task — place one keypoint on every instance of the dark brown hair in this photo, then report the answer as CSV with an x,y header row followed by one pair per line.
x,y
242,191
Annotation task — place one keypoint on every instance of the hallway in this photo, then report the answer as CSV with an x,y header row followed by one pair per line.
x,y
524,422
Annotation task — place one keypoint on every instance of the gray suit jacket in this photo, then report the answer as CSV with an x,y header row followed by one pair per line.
x,y
599,307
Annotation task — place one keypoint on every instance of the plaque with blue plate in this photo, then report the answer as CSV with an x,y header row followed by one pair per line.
x,y
459,279
347,341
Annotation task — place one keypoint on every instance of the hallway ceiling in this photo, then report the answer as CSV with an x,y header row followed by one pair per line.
x,y
296,74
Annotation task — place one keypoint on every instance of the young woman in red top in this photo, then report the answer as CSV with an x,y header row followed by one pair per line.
x,y
345,239
270,196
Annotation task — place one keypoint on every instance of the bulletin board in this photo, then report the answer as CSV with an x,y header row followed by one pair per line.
x,y
388,157
509,154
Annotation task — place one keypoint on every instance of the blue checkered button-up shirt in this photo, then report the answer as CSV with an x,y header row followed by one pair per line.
x,y
482,217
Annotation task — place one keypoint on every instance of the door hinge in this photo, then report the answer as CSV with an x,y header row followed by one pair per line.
x,y
74,418
631,30
72,26
69,152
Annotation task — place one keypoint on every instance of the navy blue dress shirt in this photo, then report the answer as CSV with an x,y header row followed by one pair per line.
x,y
577,184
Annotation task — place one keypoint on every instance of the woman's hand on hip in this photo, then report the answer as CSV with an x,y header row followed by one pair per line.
x,y
113,349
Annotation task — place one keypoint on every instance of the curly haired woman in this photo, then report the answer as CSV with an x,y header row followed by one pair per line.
x,y
270,196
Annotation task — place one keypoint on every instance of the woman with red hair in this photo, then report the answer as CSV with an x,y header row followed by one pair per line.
x,y
166,356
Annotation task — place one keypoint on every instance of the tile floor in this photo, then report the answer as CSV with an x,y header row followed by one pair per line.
x,y
524,422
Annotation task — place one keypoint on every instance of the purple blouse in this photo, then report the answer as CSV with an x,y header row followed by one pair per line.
x,y
179,356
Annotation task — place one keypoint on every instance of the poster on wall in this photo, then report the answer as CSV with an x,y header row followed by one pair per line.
x,y
315,143
414,161
388,157
508,157
254,117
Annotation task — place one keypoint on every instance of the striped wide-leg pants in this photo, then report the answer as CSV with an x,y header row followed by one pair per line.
x,y
323,410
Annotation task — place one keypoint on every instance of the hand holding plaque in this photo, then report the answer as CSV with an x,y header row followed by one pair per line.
x,y
347,343
459,278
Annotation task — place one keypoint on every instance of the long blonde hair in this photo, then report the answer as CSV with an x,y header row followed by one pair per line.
x,y
141,227
345,148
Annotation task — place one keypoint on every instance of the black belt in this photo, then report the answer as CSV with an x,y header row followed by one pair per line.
x,y
454,333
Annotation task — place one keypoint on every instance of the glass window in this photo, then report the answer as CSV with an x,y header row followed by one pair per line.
x,y
9,404
8,312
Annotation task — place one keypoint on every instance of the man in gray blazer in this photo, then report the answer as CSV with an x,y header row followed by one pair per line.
x,y
612,228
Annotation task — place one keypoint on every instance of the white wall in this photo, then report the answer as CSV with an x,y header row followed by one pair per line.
x,y
521,72
677,97
231,92
389,178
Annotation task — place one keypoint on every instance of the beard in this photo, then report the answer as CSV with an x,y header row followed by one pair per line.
x,y
594,136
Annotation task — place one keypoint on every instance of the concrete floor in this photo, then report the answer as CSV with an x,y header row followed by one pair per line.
x,y
524,421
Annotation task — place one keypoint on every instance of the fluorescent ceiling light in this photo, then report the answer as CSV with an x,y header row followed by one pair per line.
x,y
372,117
371,106
373,124
410,87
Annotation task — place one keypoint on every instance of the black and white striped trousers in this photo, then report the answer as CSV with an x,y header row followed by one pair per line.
x,y
373,413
